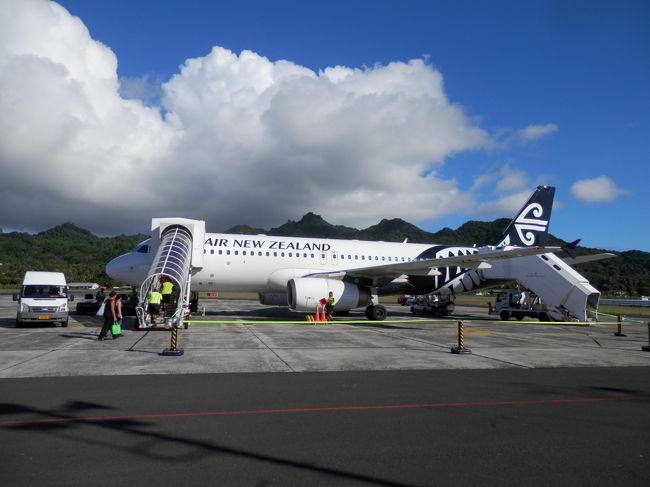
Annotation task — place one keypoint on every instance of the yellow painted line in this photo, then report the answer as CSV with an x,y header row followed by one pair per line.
x,y
317,323
401,322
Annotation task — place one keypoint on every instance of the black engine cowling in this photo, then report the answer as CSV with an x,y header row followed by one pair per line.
x,y
303,294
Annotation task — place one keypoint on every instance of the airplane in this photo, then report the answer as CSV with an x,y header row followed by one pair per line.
x,y
298,272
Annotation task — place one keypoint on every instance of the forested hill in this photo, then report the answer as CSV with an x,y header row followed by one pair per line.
x,y
82,255
64,248
629,272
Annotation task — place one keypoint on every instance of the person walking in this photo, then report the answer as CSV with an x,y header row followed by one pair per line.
x,y
118,312
154,299
110,315
167,287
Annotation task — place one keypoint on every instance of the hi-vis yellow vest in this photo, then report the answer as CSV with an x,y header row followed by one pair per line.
x,y
167,287
155,297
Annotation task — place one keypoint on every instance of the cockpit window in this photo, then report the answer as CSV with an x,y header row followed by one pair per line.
x,y
142,247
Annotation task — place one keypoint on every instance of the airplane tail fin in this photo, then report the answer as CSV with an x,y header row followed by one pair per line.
x,y
530,226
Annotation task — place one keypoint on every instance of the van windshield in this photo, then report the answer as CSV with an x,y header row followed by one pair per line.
x,y
44,291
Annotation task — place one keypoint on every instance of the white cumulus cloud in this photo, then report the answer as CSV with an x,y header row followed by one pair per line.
x,y
597,190
535,132
237,138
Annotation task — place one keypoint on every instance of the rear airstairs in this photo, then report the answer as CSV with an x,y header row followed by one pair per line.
x,y
179,244
554,281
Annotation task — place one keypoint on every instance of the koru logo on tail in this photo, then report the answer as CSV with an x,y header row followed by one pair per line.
x,y
530,221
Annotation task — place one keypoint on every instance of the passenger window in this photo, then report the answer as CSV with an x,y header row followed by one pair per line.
x,y
227,252
220,252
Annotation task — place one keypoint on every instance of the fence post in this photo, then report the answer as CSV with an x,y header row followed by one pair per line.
x,y
646,348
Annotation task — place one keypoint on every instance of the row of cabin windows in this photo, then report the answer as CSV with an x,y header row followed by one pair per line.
x,y
298,255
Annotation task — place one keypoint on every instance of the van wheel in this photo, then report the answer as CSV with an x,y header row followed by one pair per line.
x,y
64,324
504,315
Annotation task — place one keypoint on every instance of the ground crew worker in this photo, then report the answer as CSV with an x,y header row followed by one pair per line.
x,y
100,296
154,305
166,291
329,306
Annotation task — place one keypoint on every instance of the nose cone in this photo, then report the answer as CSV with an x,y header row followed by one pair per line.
x,y
129,268
117,268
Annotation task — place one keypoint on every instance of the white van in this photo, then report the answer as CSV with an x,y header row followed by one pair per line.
x,y
43,298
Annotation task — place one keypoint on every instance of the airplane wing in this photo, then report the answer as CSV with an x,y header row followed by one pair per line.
x,y
428,267
587,258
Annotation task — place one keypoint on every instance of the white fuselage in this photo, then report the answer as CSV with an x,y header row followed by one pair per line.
x,y
262,263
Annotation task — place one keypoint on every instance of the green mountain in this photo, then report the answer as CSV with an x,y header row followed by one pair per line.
x,y
64,248
82,255
629,272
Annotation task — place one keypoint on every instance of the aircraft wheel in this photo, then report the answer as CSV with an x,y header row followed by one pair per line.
x,y
504,315
19,324
376,313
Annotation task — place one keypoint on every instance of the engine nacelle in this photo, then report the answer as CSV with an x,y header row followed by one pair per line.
x,y
304,294
273,299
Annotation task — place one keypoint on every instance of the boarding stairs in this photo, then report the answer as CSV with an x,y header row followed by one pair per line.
x,y
554,281
178,254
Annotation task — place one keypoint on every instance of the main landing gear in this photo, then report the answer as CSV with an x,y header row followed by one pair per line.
x,y
376,312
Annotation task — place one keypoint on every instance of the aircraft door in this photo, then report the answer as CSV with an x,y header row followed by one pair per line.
x,y
323,258
334,258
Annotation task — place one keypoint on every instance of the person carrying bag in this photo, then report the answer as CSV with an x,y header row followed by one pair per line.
x,y
110,316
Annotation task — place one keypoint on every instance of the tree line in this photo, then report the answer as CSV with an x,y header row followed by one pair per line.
x,y
82,256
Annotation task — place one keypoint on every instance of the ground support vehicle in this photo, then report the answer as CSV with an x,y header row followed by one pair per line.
x,y
520,304
88,306
43,298
432,304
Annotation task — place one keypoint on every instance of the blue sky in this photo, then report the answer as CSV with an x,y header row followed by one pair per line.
x,y
551,92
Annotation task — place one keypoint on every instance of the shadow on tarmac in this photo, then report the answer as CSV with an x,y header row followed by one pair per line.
x,y
66,420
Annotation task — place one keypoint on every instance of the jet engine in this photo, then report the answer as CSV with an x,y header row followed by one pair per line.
x,y
304,294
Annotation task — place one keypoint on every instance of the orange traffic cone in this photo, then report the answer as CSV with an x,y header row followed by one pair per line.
x,y
316,315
